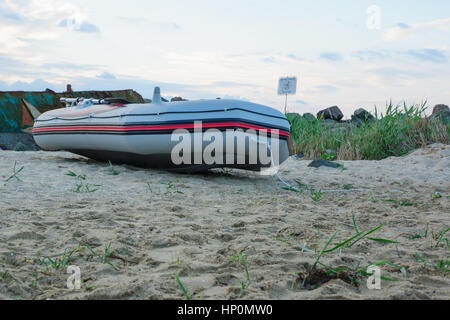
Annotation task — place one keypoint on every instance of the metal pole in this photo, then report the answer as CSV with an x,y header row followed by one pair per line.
x,y
285,105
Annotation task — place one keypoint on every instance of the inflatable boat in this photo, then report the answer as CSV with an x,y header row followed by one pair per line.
x,y
184,135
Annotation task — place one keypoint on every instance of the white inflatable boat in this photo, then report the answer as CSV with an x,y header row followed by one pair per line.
x,y
185,135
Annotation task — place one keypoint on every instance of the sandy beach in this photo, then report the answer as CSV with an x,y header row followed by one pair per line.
x,y
131,230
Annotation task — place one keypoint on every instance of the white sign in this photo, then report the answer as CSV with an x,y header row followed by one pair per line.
x,y
287,86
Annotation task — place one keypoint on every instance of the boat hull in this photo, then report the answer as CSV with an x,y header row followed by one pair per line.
x,y
158,136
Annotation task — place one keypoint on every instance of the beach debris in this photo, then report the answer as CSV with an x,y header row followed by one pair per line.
x,y
324,163
332,113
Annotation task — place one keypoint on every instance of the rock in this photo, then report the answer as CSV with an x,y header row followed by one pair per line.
x,y
439,108
309,117
323,163
363,115
10,140
21,147
174,99
333,113
443,115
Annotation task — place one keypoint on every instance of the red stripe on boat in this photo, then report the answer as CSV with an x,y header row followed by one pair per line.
x,y
154,128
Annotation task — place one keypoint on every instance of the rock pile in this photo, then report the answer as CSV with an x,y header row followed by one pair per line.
x,y
442,112
332,113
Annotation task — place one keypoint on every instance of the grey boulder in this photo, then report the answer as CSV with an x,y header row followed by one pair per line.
x,y
363,115
439,108
332,113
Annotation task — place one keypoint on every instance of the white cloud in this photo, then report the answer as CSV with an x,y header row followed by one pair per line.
x,y
403,31
25,21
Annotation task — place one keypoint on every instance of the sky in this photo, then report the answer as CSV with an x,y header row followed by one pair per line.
x,y
347,53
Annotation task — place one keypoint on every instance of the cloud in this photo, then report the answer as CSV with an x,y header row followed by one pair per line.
x,y
394,72
365,55
24,22
432,55
67,66
106,76
327,88
269,60
403,25
228,84
36,85
79,26
294,57
404,31
331,56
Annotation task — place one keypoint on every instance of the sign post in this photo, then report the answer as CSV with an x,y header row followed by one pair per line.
x,y
287,86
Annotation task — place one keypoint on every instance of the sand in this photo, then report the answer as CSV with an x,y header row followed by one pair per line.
x,y
159,224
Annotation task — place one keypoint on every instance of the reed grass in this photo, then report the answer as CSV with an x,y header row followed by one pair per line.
x,y
314,276
182,288
113,171
397,132
15,174
81,186
242,259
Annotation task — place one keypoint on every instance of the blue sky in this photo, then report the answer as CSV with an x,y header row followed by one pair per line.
x,y
238,49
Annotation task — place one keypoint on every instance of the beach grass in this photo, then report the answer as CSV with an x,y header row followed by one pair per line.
x,y
320,273
242,259
398,131
186,293
15,174
81,186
